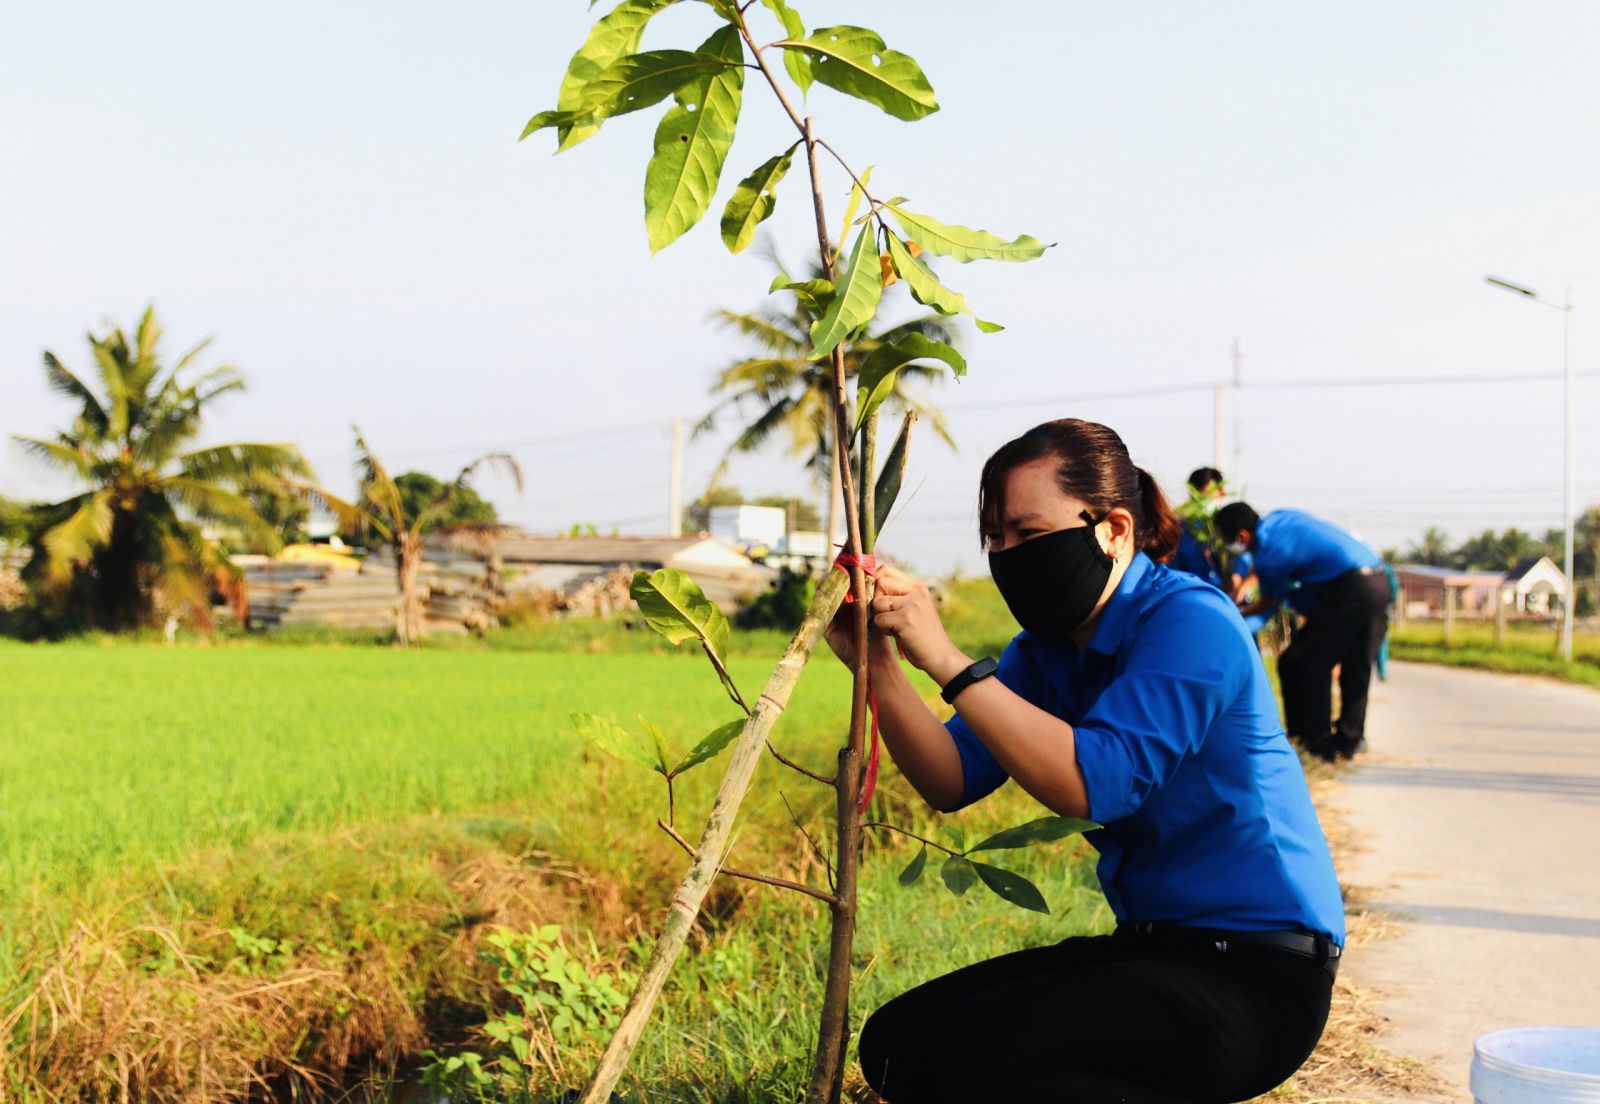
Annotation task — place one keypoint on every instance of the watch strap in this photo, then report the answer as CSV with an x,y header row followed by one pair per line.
x,y
973,672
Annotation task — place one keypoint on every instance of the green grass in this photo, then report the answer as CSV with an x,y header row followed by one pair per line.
x,y
1527,650
204,819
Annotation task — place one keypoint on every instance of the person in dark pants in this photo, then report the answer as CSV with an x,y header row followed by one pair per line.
x,y
1338,584
1134,697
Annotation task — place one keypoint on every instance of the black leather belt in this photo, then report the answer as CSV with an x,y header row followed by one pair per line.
x,y
1318,947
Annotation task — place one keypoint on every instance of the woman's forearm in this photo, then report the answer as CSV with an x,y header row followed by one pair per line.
x,y
917,741
1036,748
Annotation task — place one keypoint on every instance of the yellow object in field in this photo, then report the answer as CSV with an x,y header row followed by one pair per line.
x,y
319,554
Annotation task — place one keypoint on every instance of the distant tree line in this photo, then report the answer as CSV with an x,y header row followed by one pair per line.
x,y
1503,550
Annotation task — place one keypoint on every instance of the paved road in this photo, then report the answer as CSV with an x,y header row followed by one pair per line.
x,y
1480,803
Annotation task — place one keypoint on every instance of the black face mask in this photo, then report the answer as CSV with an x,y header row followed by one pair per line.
x,y
1052,583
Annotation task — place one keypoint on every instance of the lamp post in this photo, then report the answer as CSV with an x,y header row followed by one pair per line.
x,y
1565,307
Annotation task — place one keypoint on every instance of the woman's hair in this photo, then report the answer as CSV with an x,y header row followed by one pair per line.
x,y
1092,464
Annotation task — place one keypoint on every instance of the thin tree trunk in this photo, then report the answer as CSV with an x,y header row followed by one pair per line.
x,y
827,1071
407,562
685,905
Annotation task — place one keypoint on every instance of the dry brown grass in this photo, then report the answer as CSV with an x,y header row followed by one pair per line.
x,y
170,1010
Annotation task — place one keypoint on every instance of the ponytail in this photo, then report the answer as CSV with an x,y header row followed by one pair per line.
x,y
1161,529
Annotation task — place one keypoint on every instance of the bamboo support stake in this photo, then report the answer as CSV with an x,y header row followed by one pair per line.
x,y
685,905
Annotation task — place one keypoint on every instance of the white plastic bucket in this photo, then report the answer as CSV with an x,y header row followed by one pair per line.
x,y
1537,1065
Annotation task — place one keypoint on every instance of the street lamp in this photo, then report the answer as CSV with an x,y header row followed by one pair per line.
x,y
1565,307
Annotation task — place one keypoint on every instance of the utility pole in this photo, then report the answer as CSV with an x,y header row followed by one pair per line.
x,y
1236,475
675,482
1216,426
1570,599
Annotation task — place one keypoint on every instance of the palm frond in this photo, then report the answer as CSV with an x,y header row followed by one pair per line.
x,y
75,458
376,485
63,381
189,358
238,463
74,540
349,515
774,332
501,461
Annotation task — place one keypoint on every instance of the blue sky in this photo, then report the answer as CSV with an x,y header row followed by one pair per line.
x,y
336,193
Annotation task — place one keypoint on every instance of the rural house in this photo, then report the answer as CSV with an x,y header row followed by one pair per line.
x,y
1535,587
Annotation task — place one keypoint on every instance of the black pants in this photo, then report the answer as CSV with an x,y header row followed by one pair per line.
x,y
1104,1019
1344,631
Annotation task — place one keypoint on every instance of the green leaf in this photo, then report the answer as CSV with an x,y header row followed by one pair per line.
x,y
1043,830
710,746
636,81
963,244
798,64
615,740
956,834
674,606
887,488
876,381
615,34
913,873
692,143
753,200
658,745
858,191
814,295
856,301
792,24
926,288
1012,887
958,874
855,61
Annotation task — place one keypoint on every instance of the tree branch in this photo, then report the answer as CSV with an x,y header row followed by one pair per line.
x,y
792,765
913,835
750,875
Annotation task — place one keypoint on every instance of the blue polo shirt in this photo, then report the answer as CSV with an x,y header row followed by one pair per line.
x,y
1293,548
1207,819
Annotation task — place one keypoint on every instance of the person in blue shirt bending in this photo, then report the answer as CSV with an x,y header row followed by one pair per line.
x,y
1133,696
1195,553
1339,586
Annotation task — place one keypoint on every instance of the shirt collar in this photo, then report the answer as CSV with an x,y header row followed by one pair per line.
x,y
1119,611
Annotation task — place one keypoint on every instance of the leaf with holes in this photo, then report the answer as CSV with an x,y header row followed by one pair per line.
x,y
856,300
692,143
1044,830
631,83
926,288
615,34
674,606
913,872
710,746
963,244
854,60
753,201
878,371
1012,887
615,740
958,874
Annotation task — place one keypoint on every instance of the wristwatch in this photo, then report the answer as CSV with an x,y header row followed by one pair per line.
x,y
973,672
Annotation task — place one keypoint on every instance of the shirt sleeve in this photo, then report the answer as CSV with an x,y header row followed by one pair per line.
x,y
1186,663
981,772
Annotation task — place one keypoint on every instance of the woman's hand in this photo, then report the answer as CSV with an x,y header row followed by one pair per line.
x,y
903,609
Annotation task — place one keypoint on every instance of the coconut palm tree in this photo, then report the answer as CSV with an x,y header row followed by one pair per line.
x,y
132,544
780,390
381,509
